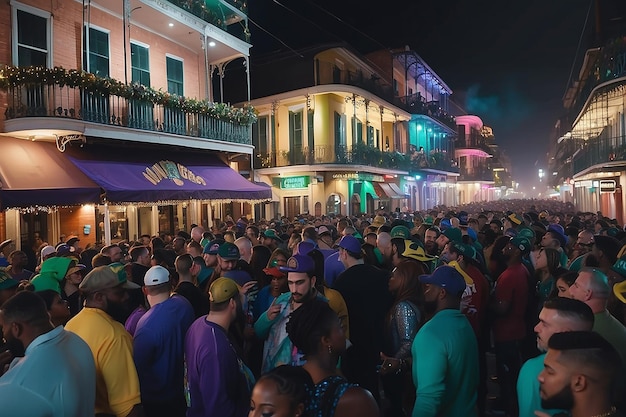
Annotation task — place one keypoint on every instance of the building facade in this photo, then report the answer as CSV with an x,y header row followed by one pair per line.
x,y
113,117
343,133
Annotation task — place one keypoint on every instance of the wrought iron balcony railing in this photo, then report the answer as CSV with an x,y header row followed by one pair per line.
x,y
600,150
218,13
356,155
74,103
476,174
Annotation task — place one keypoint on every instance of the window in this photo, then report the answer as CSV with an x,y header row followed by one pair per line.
x,y
140,64
370,135
295,137
340,130
357,135
31,34
175,76
96,53
259,140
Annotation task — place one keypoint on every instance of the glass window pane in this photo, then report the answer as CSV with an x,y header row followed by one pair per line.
x,y
174,76
140,64
31,30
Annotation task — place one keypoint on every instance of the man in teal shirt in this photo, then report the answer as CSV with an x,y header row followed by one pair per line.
x,y
558,315
444,351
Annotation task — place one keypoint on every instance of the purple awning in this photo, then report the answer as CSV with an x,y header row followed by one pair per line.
x,y
153,176
37,174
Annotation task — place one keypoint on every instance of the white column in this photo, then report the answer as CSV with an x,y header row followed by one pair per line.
x,y
107,225
154,229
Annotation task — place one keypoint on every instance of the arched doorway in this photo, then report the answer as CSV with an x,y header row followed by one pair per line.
x,y
333,204
318,209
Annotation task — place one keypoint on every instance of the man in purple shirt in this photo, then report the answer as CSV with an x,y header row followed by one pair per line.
x,y
158,346
218,382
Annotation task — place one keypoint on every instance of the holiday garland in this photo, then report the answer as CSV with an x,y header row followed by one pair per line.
x,y
11,77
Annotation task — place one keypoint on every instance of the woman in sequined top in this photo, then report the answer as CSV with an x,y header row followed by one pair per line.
x,y
404,319
315,330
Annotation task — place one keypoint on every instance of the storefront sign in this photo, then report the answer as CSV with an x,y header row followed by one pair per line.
x,y
171,170
291,183
360,176
607,186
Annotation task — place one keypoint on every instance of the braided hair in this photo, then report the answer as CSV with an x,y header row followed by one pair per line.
x,y
309,323
292,382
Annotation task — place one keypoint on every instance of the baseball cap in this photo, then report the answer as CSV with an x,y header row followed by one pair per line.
x,y
322,230
415,251
274,271
271,234
47,250
526,232
445,277
468,251
228,251
5,243
350,243
303,248
104,277
6,281
212,247
515,219
428,220
63,249
453,234
463,217
72,240
445,224
559,232
223,289
619,290
156,275
299,263
521,243
74,269
510,232
401,232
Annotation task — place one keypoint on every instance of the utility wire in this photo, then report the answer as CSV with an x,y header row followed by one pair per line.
x,y
345,23
276,37
580,40
307,20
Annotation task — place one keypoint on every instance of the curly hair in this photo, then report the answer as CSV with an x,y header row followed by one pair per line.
x,y
309,323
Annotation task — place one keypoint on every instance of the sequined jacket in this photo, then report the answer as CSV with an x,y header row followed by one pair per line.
x,y
403,325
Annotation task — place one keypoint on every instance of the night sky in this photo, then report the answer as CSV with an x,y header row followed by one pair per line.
x,y
507,62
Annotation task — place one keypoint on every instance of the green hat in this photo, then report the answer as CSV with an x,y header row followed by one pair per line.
x,y
527,232
401,232
521,243
468,251
228,251
453,234
104,277
428,220
223,289
46,282
271,234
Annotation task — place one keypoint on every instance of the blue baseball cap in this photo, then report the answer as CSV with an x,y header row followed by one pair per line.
x,y
299,263
350,243
445,277
213,247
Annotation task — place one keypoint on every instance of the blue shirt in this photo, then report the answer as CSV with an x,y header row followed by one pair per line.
x,y
59,367
158,349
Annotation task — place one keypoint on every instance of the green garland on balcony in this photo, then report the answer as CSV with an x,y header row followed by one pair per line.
x,y
11,77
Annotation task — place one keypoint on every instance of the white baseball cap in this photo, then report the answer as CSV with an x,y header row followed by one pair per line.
x,y
156,275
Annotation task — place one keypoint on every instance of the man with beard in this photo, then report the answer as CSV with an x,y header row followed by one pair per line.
x,y
218,382
50,353
558,315
365,289
444,351
508,306
270,326
117,384
580,369
430,240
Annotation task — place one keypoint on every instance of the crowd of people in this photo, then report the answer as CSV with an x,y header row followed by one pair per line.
x,y
391,314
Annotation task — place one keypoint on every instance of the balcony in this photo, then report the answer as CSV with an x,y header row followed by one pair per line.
x,y
219,13
40,100
600,150
329,73
357,155
482,174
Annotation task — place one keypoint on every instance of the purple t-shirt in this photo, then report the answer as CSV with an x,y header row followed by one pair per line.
x,y
332,268
218,382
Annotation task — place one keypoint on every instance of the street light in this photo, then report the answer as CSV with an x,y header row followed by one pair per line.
x,y
541,174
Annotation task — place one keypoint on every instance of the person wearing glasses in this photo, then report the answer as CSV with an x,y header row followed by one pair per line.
x,y
582,247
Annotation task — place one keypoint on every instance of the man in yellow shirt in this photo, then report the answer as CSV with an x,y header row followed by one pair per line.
x,y
117,384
